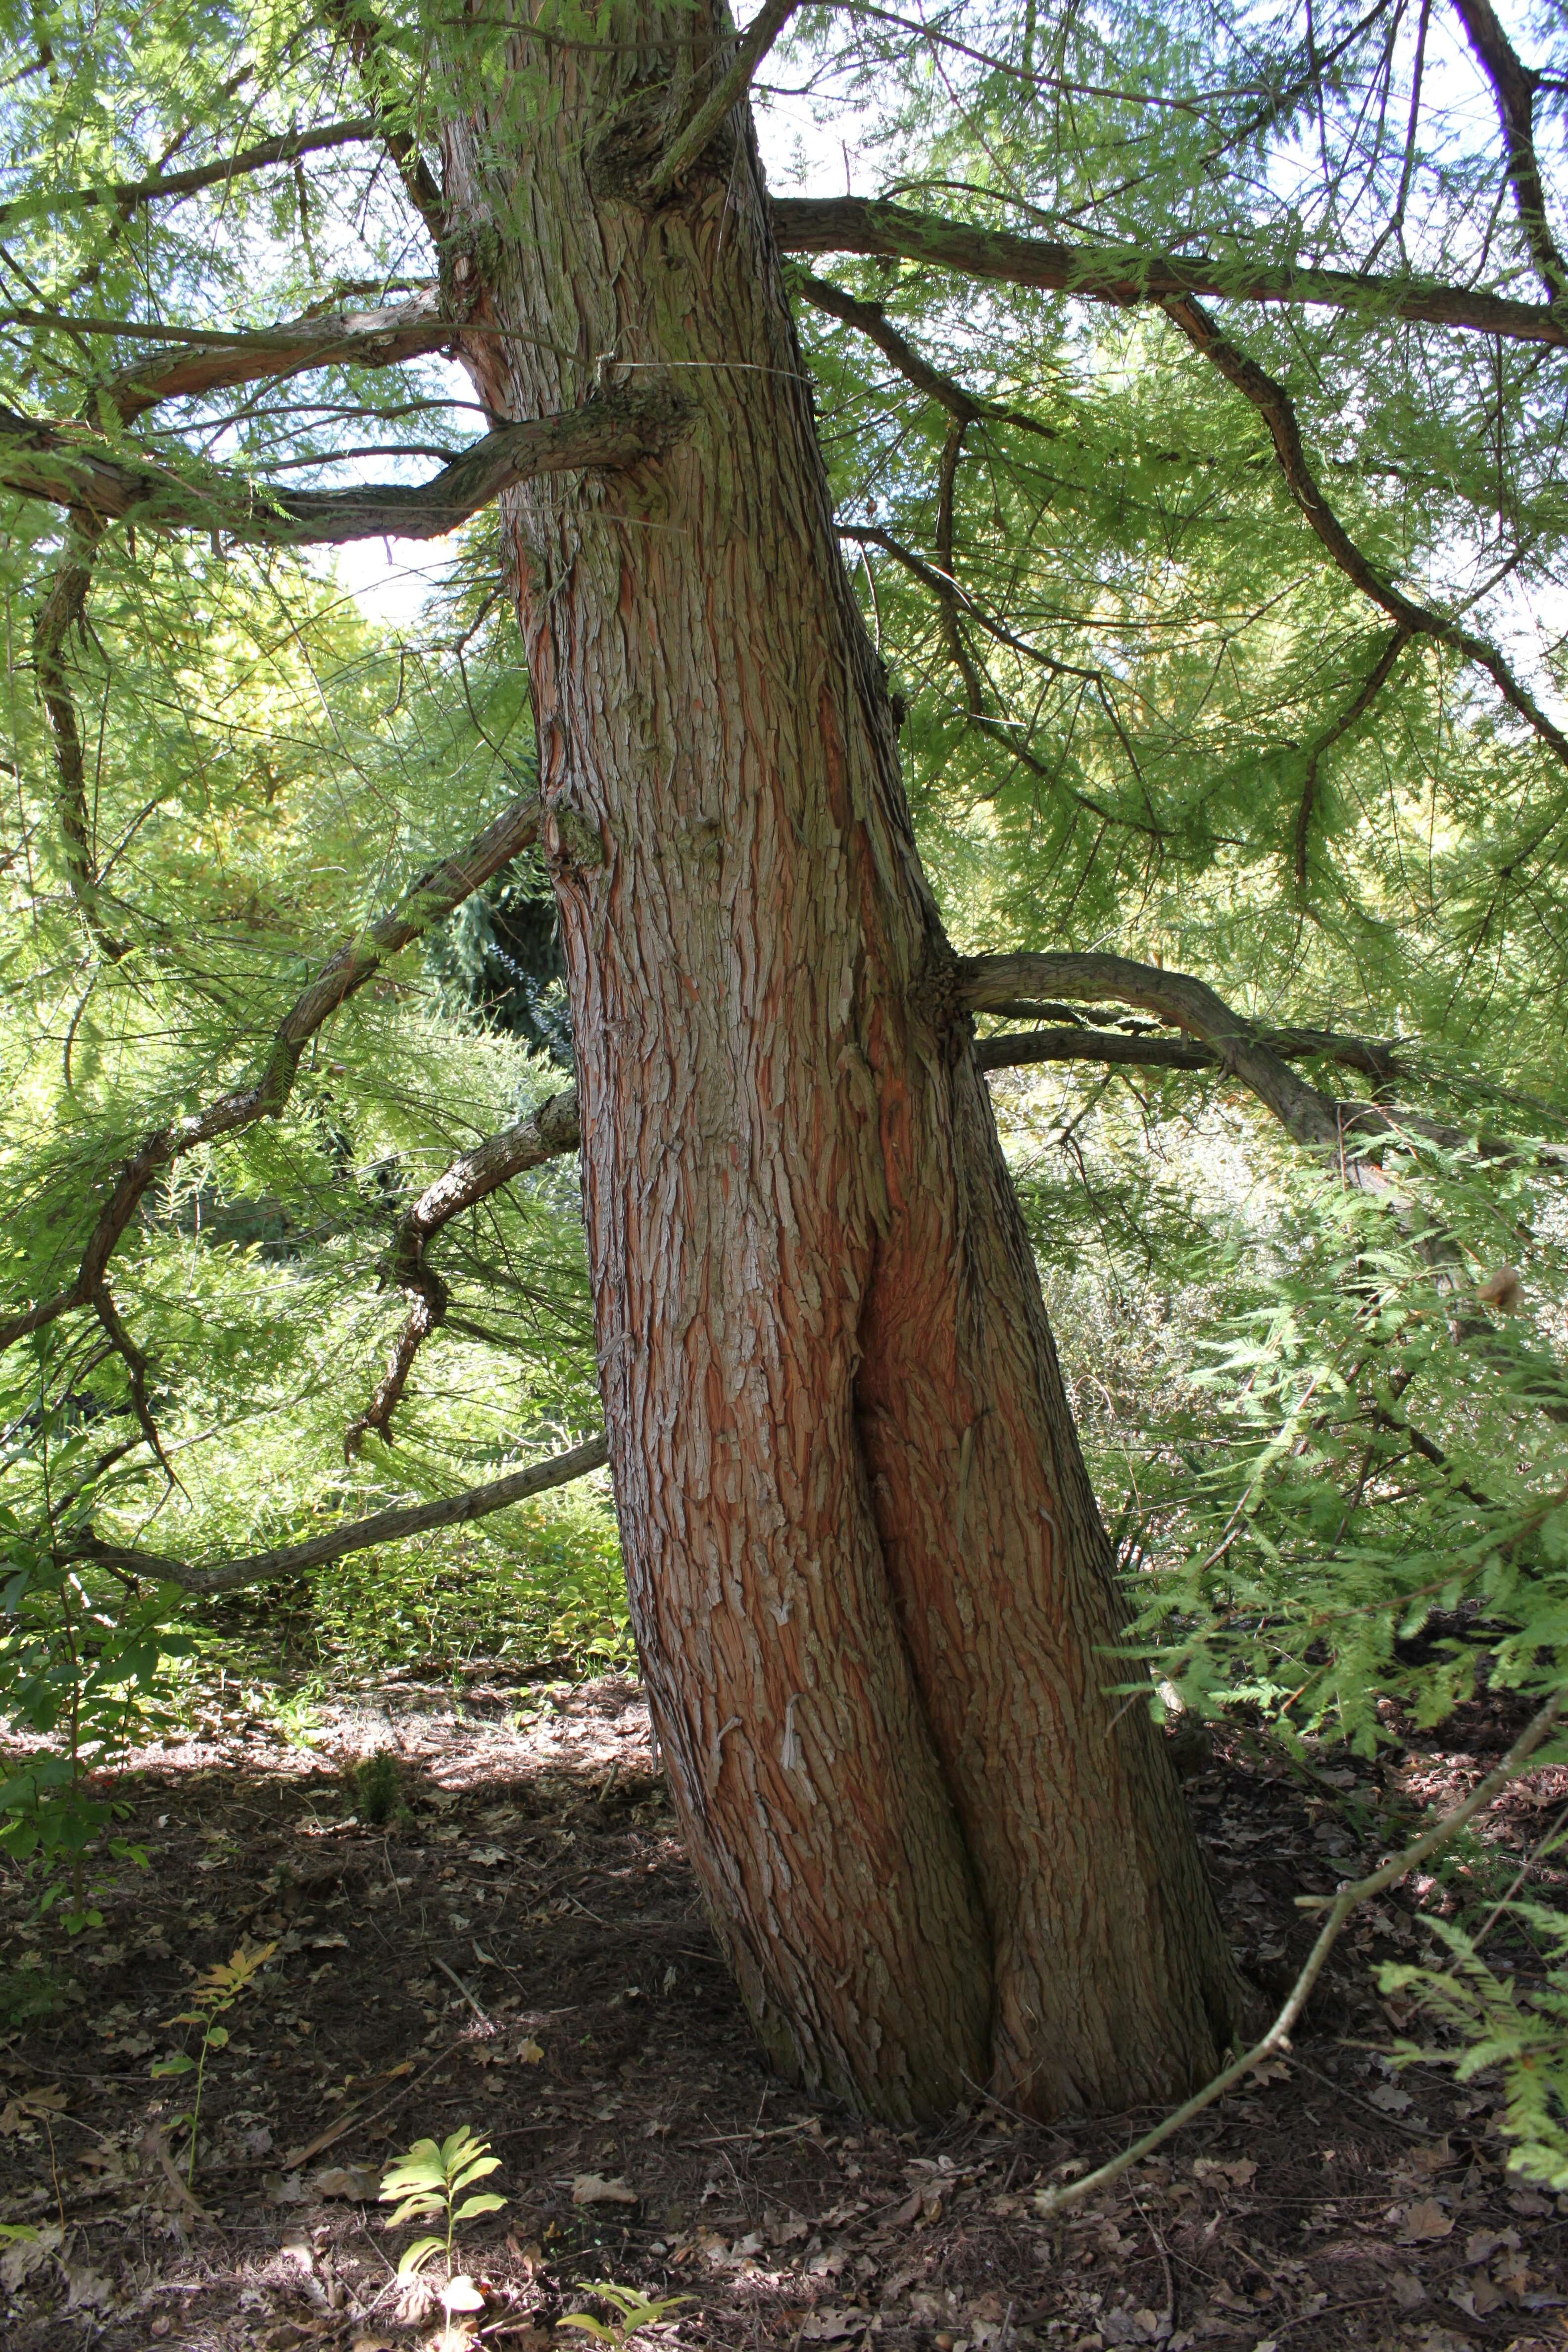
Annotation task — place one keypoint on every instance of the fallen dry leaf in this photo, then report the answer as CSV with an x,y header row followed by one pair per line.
x,y
1476,2297
1392,2102
1236,2174
830,2326
87,2289
1425,2221
29,2254
589,2188
352,2180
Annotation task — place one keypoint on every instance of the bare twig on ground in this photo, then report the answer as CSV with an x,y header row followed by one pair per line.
x,y
1276,2042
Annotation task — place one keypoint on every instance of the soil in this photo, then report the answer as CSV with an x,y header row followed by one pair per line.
x,y
520,1951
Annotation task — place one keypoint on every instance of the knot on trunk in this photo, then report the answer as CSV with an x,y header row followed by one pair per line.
x,y
623,159
571,843
469,260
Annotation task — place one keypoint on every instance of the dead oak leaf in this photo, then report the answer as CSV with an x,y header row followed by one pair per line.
x,y
32,2106
1425,2221
354,2181
1476,2296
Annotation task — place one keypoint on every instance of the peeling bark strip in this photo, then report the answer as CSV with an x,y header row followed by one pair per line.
x,y
435,893
72,467
870,1588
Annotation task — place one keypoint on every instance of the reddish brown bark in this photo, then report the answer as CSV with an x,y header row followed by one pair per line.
x,y
867,1572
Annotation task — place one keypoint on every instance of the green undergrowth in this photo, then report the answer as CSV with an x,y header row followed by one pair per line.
x,y
542,1592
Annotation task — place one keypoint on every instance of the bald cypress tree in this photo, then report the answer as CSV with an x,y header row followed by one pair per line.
x,y
1122,568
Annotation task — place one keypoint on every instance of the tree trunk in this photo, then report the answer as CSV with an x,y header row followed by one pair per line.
x,y
868,1579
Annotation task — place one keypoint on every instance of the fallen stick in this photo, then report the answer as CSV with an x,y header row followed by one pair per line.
x,y
1339,1906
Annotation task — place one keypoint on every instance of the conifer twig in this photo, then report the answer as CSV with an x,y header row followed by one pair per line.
x,y
553,1128
434,894
287,148
1278,410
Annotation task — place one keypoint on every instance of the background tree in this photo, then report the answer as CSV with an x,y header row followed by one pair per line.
x,y
1195,464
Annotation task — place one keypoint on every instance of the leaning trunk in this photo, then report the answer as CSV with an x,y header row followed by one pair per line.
x,y
868,1583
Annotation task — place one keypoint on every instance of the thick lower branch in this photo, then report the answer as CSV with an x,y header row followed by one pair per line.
x,y
435,893
1224,1039
72,467
551,1129
357,1534
987,981
381,337
1124,276
1145,1051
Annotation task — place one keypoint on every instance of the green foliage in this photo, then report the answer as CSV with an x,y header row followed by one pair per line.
x,y
376,1788
30,1997
429,2182
87,1672
629,2310
545,1588
213,1994
1358,1501
1517,2031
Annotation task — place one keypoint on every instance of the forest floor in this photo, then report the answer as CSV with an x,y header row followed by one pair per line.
x,y
522,1951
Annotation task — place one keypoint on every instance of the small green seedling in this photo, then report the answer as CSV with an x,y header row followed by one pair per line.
x,y
376,1786
631,2312
430,2181
215,1993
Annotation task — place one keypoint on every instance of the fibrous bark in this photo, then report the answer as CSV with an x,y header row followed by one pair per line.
x,y
872,1594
